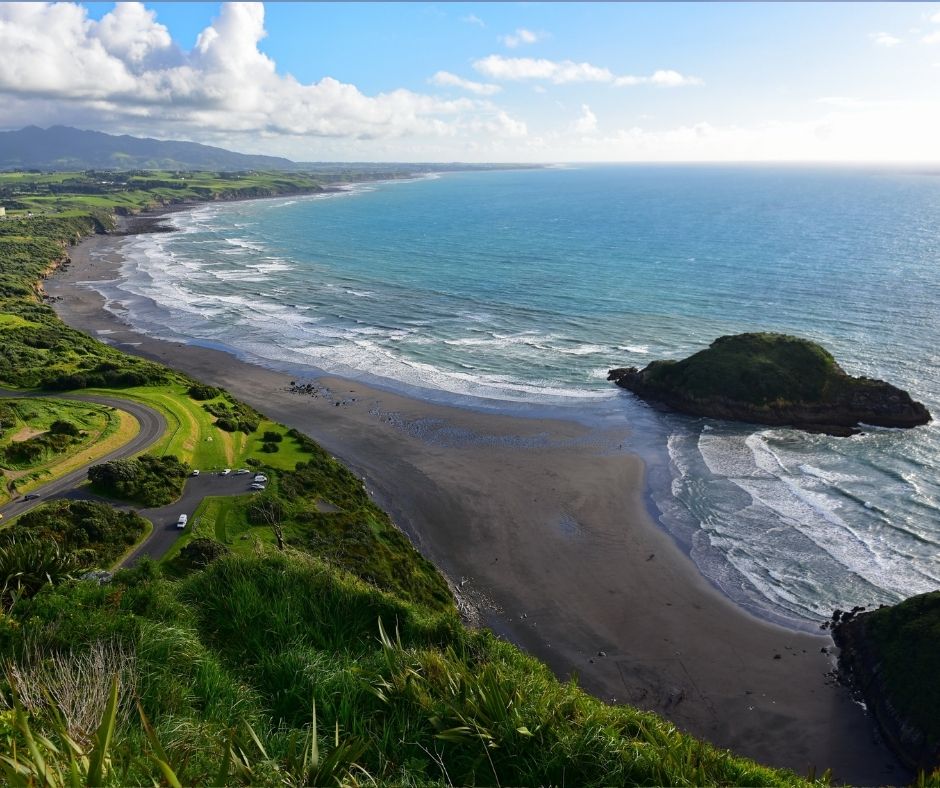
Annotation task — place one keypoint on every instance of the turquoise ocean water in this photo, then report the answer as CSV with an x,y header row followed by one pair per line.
x,y
518,290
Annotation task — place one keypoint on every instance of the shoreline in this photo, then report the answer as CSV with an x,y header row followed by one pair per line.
x,y
548,532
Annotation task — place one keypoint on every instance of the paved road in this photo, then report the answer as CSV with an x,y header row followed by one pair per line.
x,y
164,519
152,427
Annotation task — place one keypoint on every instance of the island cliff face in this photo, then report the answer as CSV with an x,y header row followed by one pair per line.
x,y
772,379
891,658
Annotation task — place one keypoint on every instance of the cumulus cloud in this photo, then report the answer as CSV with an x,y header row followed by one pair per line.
x,y
587,122
473,19
935,18
884,39
932,38
127,69
446,79
521,37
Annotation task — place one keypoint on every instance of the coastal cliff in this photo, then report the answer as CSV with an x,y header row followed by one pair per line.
x,y
890,657
772,379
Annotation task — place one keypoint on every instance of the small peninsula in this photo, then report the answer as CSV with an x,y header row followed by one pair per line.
x,y
774,379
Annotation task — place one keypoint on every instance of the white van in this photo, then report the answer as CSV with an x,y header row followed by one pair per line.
x,y
181,523
260,479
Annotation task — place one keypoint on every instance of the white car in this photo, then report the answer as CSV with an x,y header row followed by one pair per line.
x,y
242,471
195,472
256,486
260,478
226,472
181,523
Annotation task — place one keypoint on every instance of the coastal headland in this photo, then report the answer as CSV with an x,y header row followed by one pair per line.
x,y
542,528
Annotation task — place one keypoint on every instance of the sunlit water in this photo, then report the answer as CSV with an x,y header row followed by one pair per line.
x,y
521,289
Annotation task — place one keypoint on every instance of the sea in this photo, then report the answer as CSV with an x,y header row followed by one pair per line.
x,y
518,290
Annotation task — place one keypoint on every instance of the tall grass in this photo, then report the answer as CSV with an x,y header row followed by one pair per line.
x,y
279,669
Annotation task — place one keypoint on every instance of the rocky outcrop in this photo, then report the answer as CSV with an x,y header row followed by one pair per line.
x,y
889,659
772,379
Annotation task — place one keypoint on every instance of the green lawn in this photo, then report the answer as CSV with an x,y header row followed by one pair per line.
x,y
193,437
25,423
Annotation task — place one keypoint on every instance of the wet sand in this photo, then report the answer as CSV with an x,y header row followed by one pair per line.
x,y
542,527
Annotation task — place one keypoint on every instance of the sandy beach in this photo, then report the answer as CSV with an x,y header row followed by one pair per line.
x,y
542,525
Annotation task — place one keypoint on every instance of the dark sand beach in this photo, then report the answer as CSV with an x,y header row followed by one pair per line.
x,y
542,527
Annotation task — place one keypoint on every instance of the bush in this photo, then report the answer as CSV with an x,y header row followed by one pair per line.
x,y
200,391
269,447
62,427
94,533
151,481
270,436
201,552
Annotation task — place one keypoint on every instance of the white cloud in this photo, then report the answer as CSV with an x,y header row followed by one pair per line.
x,y
935,18
446,79
473,19
520,37
666,78
126,71
566,71
884,39
523,68
587,122
932,38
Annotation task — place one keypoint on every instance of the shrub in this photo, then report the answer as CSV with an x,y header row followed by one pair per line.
x,y
270,436
200,391
151,481
62,427
269,447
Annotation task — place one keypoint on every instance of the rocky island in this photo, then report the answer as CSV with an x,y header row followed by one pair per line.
x,y
773,379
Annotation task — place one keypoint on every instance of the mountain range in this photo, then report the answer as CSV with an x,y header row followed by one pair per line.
x,y
67,148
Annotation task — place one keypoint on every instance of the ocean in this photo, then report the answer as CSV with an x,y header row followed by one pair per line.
x,y
518,290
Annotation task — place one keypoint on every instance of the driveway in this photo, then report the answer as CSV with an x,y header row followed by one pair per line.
x,y
165,533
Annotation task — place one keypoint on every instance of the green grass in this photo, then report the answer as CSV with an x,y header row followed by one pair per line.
x,y
239,655
758,369
26,423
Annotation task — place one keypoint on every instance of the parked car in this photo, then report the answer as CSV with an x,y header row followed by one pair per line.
x,y
242,471
226,472
256,486
260,478
181,523
195,472
31,496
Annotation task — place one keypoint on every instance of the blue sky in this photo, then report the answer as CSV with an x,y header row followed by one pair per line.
x,y
521,81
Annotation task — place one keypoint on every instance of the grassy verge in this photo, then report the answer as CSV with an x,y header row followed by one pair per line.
x,y
100,430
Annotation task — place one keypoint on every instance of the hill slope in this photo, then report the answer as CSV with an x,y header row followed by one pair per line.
x,y
67,148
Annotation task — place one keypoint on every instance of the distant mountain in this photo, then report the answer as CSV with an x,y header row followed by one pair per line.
x,y
66,148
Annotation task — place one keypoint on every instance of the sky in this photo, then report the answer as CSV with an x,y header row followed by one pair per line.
x,y
478,82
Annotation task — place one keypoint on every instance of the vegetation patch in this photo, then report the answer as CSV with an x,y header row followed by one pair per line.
x,y
147,480
95,534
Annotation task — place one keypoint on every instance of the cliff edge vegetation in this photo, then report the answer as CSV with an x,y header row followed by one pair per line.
x,y
774,379
890,657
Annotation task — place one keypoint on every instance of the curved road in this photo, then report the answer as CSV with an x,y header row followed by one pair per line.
x,y
152,427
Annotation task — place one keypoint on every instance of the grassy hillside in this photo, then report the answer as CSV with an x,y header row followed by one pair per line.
x,y
754,368
339,658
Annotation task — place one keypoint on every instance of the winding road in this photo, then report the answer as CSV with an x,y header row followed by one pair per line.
x,y
152,427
